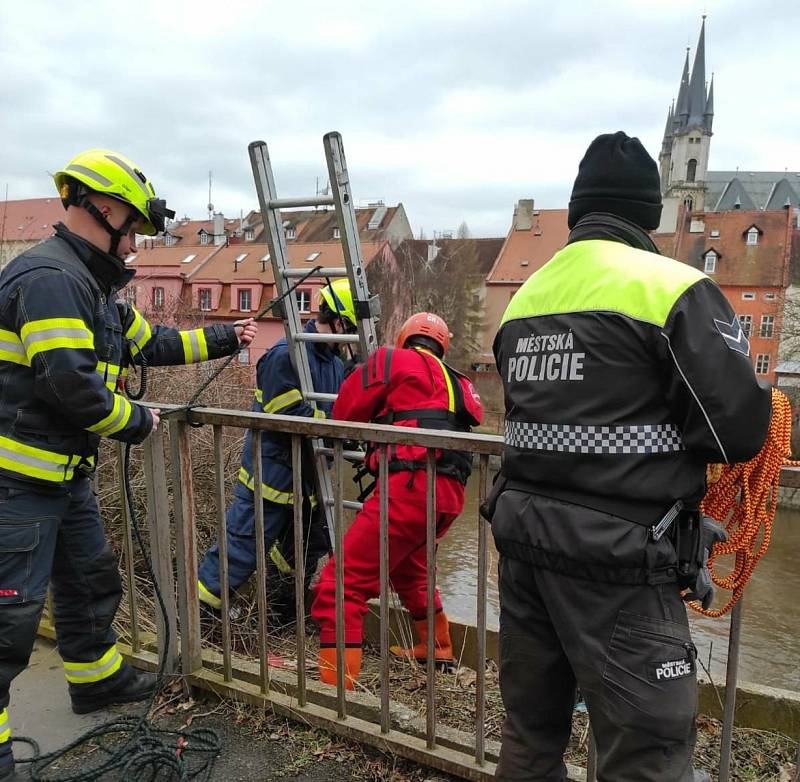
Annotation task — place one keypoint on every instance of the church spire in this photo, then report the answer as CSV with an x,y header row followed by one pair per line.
x,y
697,85
708,114
682,108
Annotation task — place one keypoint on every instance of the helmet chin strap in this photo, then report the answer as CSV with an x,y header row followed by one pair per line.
x,y
116,233
79,196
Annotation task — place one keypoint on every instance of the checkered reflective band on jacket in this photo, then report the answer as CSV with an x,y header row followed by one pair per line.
x,y
618,382
642,438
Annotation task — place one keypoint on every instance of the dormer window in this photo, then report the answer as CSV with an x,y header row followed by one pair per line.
x,y
204,237
752,235
710,262
337,233
289,229
170,240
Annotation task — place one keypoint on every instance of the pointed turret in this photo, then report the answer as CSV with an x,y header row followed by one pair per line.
x,y
682,108
697,84
708,114
666,142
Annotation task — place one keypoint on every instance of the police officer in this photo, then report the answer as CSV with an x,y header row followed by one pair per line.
x,y
65,346
279,392
408,385
624,374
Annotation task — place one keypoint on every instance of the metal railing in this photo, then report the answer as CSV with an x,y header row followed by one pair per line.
x,y
355,715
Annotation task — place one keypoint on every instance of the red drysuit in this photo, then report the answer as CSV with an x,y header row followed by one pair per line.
x,y
405,387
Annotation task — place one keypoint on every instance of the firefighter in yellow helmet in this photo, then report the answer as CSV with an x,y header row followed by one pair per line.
x,y
279,392
65,345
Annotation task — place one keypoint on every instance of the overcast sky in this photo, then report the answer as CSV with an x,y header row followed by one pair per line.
x,y
457,109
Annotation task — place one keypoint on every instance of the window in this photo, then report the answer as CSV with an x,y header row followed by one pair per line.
x,y
748,296
291,233
204,237
130,295
746,322
170,240
769,297
244,355
337,233
313,256
714,233
158,298
244,300
767,326
189,258
691,170
303,300
762,363
752,236
249,235
205,299
710,265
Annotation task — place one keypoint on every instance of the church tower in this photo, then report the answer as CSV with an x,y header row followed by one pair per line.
x,y
687,136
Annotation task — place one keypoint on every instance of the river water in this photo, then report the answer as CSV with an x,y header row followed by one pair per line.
x,y
770,645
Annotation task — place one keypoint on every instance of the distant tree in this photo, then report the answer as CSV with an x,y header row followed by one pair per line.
x,y
463,231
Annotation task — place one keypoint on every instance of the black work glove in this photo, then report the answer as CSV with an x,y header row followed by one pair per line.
x,y
703,589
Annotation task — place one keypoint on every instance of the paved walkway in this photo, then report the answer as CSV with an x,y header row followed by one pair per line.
x,y
40,709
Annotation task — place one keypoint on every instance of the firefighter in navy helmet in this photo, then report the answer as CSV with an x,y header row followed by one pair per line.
x,y
624,373
279,392
66,343
408,385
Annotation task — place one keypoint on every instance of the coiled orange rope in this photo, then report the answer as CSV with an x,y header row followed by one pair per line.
x,y
744,498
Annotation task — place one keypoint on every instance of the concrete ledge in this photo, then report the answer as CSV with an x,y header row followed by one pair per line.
x,y
757,706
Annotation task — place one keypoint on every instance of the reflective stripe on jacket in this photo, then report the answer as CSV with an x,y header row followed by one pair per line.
x,y
64,348
279,393
624,373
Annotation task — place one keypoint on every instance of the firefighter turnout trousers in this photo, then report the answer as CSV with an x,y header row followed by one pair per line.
x,y
56,538
407,554
564,624
241,540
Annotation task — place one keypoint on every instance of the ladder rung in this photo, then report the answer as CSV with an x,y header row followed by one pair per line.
x,y
288,203
325,271
349,504
318,396
353,455
306,336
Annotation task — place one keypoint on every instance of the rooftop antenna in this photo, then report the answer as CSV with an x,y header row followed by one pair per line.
x,y
210,205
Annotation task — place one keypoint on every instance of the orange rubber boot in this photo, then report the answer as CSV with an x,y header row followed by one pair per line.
x,y
443,647
327,665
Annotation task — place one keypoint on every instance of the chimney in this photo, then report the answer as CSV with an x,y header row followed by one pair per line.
x,y
523,215
219,228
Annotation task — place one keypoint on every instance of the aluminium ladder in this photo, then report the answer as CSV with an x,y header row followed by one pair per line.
x,y
367,308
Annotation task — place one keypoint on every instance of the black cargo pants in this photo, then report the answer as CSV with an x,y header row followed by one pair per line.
x,y
627,647
57,538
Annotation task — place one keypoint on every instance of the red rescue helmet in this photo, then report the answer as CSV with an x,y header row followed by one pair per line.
x,y
425,324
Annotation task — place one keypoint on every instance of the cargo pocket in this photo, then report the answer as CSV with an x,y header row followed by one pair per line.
x,y
650,676
17,545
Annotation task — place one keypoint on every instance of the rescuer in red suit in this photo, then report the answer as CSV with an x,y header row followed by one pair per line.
x,y
408,385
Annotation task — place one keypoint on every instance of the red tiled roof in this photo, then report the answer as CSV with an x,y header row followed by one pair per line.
x,y
30,219
536,246
147,260
762,264
220,267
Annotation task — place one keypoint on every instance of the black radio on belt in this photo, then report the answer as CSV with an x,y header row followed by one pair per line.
x,y
686,532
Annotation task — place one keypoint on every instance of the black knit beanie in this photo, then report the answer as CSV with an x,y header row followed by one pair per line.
x,y
619,177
